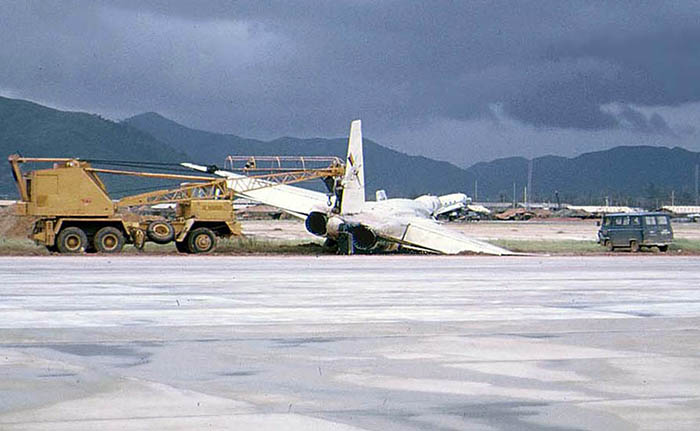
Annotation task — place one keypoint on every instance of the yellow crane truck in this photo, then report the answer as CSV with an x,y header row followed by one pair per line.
x,y
75,214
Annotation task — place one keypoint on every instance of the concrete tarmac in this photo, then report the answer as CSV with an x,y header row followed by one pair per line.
x,y
347,343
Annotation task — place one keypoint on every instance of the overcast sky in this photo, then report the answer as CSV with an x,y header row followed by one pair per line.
x,y
465,81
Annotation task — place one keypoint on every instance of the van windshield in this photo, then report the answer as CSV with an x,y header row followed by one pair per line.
x,y
662,220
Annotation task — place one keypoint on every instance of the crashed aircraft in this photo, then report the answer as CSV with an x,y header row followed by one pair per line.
x,y
381,225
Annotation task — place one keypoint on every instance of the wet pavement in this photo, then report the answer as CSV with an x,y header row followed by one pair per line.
x,y
358,342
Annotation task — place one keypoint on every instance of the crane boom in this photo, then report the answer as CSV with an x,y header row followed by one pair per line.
x,y
217,189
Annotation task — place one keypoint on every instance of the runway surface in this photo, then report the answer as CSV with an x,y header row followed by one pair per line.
x,y
345,343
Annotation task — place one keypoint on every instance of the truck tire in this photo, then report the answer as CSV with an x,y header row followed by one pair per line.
x,y
109,240
160,232
182,247
71,240
201,240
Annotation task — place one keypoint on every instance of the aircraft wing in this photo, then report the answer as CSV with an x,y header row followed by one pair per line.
x,y
296,201
424,234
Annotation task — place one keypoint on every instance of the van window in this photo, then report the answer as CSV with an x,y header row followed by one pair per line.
x,y
635,221
650,220
661,220
625,221
619,220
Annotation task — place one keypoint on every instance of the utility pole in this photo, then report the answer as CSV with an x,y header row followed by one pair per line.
x,y
515,199
529,183
476,190
673,197
527,203
697,174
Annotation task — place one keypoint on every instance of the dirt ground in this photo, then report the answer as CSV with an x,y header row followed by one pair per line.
x,y
12,226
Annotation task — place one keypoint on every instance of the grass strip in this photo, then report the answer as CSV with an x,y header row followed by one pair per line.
x,y
549,246
687,246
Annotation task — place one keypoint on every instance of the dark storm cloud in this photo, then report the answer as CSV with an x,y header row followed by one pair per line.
x,y
551,63
307,67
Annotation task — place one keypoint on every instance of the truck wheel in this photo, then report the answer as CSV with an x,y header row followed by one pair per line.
x,y
160,232
634,246
71,240
201,240
182,247
109,240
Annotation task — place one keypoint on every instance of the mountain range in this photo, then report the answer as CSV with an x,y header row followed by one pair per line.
x,y
397,173
33,130
637,175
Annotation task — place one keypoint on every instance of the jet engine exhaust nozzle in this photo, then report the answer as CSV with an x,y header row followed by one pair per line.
x,y
316,223
363,237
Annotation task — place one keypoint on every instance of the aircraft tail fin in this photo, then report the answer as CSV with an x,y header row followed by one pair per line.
x,y
354,180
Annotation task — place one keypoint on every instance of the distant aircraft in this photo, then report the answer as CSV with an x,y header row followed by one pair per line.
x,y
381,225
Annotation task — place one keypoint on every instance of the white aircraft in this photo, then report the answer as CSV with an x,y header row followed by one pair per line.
x,y
381,225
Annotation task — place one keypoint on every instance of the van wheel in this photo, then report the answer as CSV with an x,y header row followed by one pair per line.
x,y
72,240
201,240
109,240
609,245
663,248
634,246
